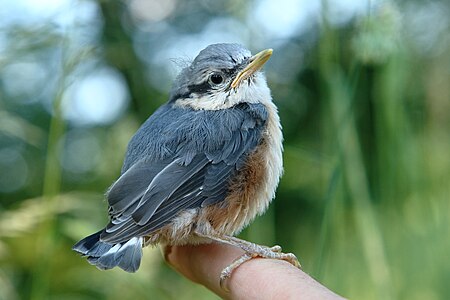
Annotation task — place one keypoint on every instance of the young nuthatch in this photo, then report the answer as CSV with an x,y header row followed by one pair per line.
x,y
200,168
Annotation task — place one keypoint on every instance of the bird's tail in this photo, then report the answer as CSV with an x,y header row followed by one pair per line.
x,y
104,256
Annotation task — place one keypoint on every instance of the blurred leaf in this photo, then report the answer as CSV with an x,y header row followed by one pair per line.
x,y
31,213
20,128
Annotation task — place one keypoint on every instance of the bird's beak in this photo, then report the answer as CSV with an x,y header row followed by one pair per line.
x,y
256,62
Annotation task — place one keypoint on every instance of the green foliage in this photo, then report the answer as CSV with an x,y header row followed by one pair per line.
x,y
363,201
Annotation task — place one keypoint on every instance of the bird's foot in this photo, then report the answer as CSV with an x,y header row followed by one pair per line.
x,y
252,251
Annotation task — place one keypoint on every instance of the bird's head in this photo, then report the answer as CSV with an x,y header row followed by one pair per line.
x,y
221,76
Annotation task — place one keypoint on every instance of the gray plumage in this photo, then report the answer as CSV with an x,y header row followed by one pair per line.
x,y
181,158
227,57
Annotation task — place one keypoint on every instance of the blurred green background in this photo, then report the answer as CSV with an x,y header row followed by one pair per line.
x,y
363,90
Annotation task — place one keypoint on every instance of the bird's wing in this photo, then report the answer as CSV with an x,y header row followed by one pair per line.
x,y
152,193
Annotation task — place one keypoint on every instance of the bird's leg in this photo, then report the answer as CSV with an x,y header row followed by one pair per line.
x,y
252,250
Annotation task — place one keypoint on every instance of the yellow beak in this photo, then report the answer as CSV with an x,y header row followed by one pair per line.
x,y
256,63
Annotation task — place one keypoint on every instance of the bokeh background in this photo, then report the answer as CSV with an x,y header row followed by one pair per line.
x,y
363,90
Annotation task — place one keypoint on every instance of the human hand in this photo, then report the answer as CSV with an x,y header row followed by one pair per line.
x,y
259,278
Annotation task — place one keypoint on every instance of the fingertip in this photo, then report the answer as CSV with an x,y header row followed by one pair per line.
x,y
180,259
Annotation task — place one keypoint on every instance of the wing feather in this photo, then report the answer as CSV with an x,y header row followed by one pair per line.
x,y
130,187
165,184
191,171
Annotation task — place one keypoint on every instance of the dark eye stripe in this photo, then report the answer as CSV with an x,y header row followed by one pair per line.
x,y
201,88
205,87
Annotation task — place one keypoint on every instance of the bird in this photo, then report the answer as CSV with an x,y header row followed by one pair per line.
x,y
200,168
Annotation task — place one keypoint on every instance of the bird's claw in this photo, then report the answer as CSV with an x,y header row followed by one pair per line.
x,y
276,248
292,259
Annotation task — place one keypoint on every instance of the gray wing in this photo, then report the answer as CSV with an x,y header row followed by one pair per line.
x,y
152,192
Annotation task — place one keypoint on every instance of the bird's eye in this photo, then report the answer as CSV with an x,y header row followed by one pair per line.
x,y
216,78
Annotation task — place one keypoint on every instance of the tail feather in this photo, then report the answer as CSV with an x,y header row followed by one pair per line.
x,y
104,256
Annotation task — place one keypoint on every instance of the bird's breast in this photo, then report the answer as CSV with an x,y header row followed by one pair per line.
x,y
254,185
